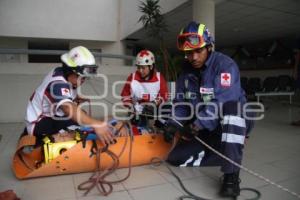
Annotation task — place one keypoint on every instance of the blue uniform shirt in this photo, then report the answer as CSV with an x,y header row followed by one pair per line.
x,y
217,82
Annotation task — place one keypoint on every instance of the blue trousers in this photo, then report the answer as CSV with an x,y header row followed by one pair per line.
x,y
228,138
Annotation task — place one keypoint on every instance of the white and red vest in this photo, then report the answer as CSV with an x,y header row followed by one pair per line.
x,y
144,90
40,104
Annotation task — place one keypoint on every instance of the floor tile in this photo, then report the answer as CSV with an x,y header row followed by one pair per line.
x,y
268,171
292,184
212,172
182,172
82,177
141,177
271,192
204,187
272,151
120,195
290,164
163,192
57,187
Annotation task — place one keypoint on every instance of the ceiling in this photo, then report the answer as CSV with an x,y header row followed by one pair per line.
x,y
238,22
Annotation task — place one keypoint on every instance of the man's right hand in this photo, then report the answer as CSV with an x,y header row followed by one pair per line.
x,y
169,132
103,131
101,128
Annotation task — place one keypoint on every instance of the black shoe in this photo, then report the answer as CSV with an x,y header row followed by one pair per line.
x,y
231,185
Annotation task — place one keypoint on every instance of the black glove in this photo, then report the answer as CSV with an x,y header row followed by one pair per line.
x,y
190,130
134,117
149,110
187,132
134,120
169,132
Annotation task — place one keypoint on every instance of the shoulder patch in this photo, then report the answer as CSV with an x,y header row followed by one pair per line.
x,y
225,79
65,92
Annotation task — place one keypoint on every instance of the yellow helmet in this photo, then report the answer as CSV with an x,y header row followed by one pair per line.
x,y
80,60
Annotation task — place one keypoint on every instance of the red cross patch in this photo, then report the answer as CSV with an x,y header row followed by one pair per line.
x,y
65,92
146,97
144,53
225,79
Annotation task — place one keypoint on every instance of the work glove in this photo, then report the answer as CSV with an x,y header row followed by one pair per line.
x,y
149,111
169,132
190,129
187,132
133,113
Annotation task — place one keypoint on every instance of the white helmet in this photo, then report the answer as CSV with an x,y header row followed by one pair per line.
x,y
80,60
145,57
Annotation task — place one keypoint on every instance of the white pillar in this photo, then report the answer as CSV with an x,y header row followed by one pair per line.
x,y
204,12
116,47
113,48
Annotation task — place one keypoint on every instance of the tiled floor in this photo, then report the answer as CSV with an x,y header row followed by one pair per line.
x,y
272,151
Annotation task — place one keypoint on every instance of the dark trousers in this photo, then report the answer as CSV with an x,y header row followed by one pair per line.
x,y
49,126
227,138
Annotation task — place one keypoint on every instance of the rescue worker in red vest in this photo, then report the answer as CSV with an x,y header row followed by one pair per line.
x,y
207,103
52,106
146,88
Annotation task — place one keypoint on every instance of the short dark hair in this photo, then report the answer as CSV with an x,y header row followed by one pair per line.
x,y
67,71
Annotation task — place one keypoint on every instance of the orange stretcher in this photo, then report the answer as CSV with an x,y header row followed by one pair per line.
x,y
78,159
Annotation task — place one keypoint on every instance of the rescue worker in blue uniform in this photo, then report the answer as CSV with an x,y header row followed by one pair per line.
x,y
208,103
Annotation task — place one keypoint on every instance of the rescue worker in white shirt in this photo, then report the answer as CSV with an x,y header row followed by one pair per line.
x,y
146,88
52,106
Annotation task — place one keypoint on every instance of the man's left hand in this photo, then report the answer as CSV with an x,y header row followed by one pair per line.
x,y
149,110
190,130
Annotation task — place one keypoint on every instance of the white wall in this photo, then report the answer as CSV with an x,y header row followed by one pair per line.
x,y
114,48
17,82
103,22
61,19
107,48
130,14
17,43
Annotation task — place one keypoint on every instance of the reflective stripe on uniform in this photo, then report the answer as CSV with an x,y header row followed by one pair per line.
x,y
234,120
200,157
187,162
233,138
196,162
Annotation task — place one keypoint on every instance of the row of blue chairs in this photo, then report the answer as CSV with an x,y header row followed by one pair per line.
x,y
282,83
